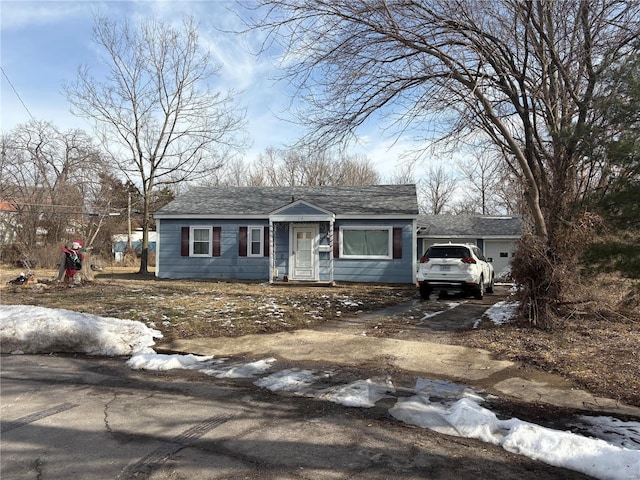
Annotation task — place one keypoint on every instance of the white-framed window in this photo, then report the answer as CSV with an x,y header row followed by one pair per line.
x,y
201,241
366,242
255,244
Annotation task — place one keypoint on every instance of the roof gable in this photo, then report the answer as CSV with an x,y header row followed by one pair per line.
x,y
300,207
368,200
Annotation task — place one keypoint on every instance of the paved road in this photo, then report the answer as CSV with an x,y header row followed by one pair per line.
x,y
77,417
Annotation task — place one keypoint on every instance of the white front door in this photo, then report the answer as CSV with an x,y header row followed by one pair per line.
x,y
304,252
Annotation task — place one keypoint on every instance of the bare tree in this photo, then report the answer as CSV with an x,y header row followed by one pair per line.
x,y
234,172
482,175
521,74
403,173
154,111
436,190
355,170
49,179
311,167
510,193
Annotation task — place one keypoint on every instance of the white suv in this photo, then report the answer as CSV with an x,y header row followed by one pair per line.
x,y
455,266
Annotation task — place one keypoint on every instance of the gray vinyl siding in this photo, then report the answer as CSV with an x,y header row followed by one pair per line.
x,y
229,265
301,209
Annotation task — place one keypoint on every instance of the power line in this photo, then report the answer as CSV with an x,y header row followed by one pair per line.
x,y
17,94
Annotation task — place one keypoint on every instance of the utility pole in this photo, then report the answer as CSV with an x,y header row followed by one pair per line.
x,y
129,222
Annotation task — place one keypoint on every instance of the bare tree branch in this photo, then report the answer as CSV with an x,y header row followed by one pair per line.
x,y
154,111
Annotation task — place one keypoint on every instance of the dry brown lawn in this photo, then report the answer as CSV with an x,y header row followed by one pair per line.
x,y
597,346
192,308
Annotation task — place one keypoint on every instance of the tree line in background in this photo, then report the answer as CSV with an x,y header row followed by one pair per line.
x,y
58,186
545,95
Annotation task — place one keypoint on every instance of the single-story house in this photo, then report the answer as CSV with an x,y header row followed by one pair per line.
x,y
121,240
8,223
295,234
496,236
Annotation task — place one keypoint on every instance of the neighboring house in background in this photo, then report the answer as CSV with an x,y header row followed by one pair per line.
x,y
303,234
496,236
8,223
120,242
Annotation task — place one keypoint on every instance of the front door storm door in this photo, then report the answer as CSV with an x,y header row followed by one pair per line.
x,y
304,252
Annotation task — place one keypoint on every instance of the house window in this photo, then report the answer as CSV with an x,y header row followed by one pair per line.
x,y
255,242
366,242
201,241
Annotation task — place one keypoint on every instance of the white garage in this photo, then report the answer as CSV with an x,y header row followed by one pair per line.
x,y
496,236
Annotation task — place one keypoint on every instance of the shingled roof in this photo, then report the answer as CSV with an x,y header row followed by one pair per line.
x,y
476,226
261,201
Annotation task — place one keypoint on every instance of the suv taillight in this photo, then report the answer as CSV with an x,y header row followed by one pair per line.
x,y
424,259
468,260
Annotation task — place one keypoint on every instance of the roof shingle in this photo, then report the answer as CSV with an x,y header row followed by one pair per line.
x,y
469,225
341,200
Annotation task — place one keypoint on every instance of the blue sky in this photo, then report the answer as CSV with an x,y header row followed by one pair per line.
x,y
44,42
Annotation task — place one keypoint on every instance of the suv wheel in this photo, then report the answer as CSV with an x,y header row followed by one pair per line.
x,y
490,287
425,291
479,293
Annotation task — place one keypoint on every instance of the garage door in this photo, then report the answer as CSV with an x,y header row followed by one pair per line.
x,y
501,252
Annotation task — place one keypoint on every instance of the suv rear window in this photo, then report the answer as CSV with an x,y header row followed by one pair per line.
x,y
447,252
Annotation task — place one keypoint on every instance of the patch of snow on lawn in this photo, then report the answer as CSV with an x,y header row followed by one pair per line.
x,y
465,418
162,362
241,370
430,314
502,312
290,380
445,390
613,430
30,329
361,393
347,302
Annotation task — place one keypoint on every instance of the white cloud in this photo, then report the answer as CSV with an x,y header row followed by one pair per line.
x,y
17,15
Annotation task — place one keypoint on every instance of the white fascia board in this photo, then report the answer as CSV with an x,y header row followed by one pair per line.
x,y
501,237
301,218
376,217
482,237
201,216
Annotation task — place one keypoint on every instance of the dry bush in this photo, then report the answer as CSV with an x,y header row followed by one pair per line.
x,y
39,257
539,281
607,296
548,270
630,302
